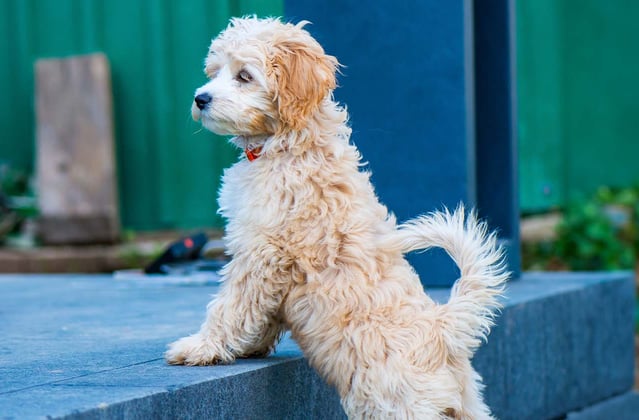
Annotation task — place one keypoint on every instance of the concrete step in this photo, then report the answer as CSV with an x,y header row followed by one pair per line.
x,y
621,407
91,347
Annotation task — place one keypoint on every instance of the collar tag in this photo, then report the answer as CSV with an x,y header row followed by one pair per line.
x,y
252,154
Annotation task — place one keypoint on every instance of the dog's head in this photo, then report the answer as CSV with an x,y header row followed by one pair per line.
x,y
265,77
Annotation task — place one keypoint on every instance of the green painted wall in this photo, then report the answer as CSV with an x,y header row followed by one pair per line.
x,y
539,103
601,90
578,87
169,168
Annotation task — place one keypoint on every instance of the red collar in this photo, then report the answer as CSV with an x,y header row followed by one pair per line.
x,y
252,154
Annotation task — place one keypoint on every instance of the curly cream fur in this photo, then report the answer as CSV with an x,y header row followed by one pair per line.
x,y
314,251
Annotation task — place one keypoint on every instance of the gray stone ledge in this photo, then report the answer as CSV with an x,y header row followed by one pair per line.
x,y
621,407
91,347
564,341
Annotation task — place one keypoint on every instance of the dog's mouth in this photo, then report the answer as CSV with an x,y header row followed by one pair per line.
x,y
196,114
204,118
213,124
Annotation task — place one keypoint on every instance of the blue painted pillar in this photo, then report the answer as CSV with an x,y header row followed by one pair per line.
x,y
495,122
409,82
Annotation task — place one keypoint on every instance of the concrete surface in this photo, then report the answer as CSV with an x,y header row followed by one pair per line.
x,y
78,346
564,342
623,407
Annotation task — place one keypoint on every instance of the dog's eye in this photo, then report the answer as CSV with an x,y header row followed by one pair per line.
x,y
244,76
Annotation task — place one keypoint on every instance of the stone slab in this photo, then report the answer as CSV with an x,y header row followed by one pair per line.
x,y
91,347
622,407
564,341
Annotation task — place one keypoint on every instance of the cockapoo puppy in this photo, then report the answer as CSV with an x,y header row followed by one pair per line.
x,y
314,251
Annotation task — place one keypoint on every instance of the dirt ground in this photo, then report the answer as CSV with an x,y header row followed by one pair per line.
x,y
134,252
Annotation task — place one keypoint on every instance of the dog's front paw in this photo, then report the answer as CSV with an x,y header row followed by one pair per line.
x,y
194,350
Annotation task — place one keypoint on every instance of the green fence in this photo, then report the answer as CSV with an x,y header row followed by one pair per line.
x,y
578,88
169,168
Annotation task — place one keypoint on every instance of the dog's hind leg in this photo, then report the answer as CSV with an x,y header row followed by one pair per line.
x,y
241,320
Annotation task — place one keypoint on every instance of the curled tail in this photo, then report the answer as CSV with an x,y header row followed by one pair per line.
x,y
474,299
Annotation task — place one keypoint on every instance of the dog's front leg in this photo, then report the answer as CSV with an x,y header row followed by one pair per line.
x,y
242,319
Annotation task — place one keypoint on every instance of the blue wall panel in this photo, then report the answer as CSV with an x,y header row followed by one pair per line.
x,y
407,83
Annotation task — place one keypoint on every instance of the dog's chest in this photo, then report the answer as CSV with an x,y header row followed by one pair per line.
x,y
253,195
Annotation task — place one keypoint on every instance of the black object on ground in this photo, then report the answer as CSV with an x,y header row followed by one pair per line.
x,y
183,250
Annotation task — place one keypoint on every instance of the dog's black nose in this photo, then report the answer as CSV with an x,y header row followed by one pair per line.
x,y
202,100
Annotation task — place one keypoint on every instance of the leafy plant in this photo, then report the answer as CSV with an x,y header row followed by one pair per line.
x,y
541,256
13,182
598,233
17,201
588,239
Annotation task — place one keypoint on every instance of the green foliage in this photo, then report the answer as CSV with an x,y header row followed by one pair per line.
x,y
13,182
17,201
588,239
135,256
540,256
600,233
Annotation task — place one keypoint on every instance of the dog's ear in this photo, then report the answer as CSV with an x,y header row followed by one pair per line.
x,y
304,76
